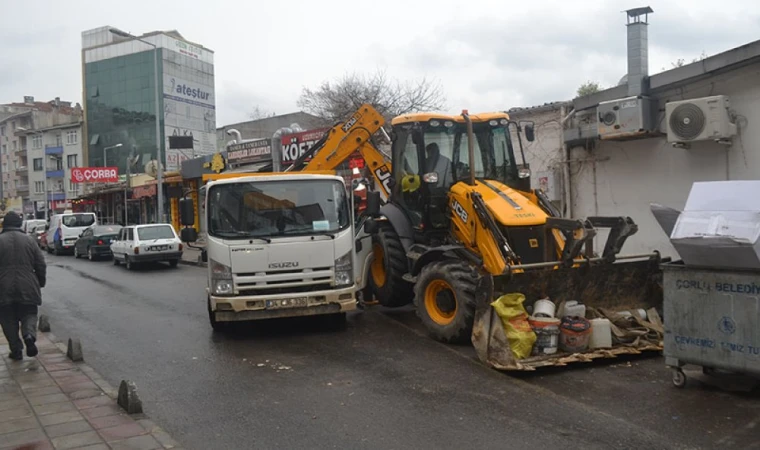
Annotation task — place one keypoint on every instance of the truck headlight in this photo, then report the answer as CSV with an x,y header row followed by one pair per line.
x,y
344,270
221,278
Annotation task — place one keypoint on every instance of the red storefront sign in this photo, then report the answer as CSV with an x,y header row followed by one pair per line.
x,y
94,175
296,144
144,191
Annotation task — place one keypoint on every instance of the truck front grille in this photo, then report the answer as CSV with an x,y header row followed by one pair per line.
x,y
283,281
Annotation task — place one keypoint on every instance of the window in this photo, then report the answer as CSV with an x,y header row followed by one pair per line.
x,y
2,130
73,186
71,137
39,187
266,208
37,162
58,163
37,141
58,140
5,149
78,220
13,126
156,232
14,145
71,161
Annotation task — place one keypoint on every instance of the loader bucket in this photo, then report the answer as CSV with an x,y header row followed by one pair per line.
x,y
619,286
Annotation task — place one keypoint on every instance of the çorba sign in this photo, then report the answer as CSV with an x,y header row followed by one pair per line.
x,y
94,174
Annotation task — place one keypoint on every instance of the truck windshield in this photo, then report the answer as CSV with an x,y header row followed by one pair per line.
x,y
277,208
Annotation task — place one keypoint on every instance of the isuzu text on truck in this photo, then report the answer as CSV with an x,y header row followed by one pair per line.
x,y
278,245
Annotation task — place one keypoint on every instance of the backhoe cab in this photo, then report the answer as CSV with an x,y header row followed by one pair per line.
x,y
462,226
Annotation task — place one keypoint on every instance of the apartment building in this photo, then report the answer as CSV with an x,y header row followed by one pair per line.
x,y
39,142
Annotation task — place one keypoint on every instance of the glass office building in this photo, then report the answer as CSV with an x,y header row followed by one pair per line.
x,y
119,76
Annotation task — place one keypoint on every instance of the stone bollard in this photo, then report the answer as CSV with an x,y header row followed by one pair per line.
x,y
74,350
44,324
128,398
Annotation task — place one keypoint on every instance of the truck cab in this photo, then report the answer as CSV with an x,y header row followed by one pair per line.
x,y
278,245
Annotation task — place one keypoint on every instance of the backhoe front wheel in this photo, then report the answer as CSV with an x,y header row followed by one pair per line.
x,y
388,267
445,299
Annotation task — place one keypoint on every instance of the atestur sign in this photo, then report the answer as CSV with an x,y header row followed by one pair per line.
x,y
94,175
249,152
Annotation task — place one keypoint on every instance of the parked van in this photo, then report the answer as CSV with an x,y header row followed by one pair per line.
x,y
64,230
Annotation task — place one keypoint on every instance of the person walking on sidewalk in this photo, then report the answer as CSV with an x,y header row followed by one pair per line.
x,y
23,273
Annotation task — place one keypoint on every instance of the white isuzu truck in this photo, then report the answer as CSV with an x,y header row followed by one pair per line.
x,y
279,245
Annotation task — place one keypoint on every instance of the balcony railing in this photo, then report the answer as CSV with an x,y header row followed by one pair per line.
x,y
21,169
53,149
52,173
20,151
22,188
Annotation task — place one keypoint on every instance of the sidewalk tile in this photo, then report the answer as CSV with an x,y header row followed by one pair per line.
x,y
111,421
101,411
48,399
165,440
10,426
94,447
65,429
76,440
73,379
85,393
71,387
92,402
123,431
13,404
58,418
146,442
10,440
43,391
53,408
13,414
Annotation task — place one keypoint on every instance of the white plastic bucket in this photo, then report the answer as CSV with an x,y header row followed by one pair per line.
x,y
547,335
544,308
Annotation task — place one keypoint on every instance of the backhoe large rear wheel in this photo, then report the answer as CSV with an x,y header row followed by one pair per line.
x,y
445,300
388,267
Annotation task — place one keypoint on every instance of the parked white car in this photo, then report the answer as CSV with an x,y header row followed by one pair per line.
x,y
146,243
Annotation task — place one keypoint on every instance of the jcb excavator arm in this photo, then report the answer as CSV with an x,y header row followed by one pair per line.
x,y
342,140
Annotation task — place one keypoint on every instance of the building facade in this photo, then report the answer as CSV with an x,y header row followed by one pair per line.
x,y
39,143
120,98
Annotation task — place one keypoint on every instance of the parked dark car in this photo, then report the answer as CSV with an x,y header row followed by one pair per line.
x,y
95,241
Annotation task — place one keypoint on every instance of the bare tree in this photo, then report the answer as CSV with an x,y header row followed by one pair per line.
x,y
258,113
588,88
335,101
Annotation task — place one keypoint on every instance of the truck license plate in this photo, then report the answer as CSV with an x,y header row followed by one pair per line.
x,y
286,303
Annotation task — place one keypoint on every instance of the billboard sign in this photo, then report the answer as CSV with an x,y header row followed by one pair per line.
x,y
296,144
94,174
249,152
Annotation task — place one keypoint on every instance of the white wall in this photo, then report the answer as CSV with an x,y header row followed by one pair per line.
x,y
637,173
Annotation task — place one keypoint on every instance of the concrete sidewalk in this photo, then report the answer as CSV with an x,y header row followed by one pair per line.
x,y
57,404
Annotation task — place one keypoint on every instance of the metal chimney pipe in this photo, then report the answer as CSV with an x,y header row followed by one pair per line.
x,y
638,49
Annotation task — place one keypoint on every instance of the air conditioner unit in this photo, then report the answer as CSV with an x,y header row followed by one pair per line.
x,y
699,119
624,118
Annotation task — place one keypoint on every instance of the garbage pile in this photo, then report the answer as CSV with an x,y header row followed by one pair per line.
x,y
573,328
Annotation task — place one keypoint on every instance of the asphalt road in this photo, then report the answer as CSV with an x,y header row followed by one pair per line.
x,y
379,384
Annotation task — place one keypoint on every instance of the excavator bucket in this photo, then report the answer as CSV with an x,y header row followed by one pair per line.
x,y
604,288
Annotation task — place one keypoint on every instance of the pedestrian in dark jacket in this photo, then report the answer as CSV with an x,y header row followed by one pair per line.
x,y
22,273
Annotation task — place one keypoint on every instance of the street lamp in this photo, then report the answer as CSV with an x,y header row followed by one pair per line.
x,y
44,170
160,170
105,164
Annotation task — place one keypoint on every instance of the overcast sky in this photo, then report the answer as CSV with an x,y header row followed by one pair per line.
x,y
486,54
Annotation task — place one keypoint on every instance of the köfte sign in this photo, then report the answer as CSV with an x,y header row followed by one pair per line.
x,y
296,144
94,175
249,152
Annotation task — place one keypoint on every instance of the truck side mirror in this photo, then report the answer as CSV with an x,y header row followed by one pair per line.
x,y
186,212
530,133
188,235
373,204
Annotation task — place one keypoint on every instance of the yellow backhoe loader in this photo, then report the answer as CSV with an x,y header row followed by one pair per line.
x,y
461,227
